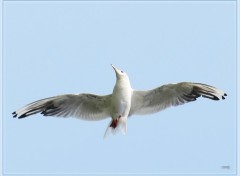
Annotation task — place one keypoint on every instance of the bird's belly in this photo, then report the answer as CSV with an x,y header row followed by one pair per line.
x,y
120,108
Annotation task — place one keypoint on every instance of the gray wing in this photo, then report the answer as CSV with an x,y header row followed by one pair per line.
x,y
146,102
84,106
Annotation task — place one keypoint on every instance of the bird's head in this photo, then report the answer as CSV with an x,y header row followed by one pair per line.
x,y
119,73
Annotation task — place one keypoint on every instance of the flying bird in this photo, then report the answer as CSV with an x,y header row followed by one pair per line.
x,y
121,104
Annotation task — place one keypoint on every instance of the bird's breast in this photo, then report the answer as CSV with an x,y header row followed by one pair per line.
x,y
121,102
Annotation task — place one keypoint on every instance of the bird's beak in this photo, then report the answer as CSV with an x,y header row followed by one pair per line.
x,y
115,69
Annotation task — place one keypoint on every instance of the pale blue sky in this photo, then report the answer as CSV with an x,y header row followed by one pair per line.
x,y
53,48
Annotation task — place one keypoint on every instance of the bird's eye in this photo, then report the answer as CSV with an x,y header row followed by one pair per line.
x,y
122,71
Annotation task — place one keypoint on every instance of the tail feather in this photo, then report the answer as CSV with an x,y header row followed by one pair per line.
x,y
121,126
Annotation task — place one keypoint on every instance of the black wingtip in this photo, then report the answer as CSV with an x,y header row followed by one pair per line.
x,y
223,97
215,98
14,114
22,116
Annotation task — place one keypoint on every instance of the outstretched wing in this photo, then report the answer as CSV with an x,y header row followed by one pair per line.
x,y
84,106
146,102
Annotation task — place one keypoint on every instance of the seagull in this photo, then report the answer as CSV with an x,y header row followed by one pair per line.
x,y
121,104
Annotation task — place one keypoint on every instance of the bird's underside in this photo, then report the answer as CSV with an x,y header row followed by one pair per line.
x,y
96,107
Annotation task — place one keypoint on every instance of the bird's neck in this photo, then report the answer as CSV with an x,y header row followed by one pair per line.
x,y
122,84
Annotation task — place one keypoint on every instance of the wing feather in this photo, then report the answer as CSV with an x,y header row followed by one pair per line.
x,y
84,106
146,102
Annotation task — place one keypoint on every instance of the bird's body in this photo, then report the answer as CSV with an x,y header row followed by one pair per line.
x,y
121,99
122,103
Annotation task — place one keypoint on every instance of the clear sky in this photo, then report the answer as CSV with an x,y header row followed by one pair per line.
x,y
53,48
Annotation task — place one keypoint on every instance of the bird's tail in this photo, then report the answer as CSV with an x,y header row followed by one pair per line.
x,y
116,126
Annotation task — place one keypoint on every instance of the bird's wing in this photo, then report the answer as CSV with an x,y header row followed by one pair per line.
x,y
146,102
84,106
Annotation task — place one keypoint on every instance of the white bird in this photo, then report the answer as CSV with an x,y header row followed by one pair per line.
x,y
121,104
